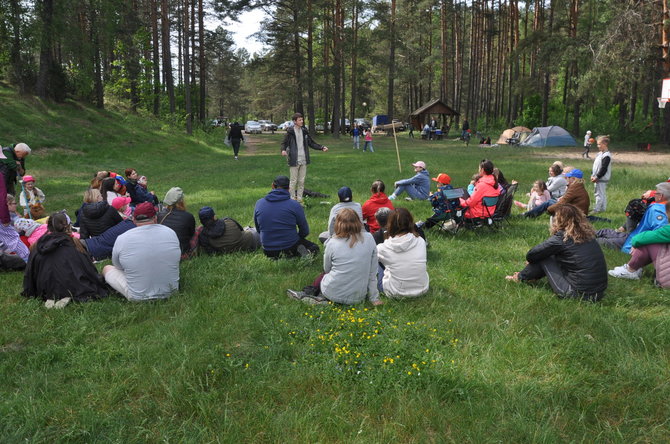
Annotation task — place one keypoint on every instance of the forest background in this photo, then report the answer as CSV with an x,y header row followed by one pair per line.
x,y
581,64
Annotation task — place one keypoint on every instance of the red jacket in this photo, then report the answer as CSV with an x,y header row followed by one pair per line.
x,y
483,188
371,206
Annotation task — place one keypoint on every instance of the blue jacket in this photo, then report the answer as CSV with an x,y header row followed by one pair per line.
x,y
139,194
276,217
100,247
421,182
653,218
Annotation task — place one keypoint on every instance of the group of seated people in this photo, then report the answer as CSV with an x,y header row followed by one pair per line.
x,y
369,249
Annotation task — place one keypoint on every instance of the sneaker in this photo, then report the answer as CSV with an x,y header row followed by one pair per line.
x,y
295,294
235,157
303,251
624,273
49,303
408,198
62,302
420,224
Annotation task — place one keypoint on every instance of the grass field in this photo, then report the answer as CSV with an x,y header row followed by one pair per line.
x,y
231,358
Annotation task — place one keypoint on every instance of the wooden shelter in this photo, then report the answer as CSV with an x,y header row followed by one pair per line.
x,y
435,107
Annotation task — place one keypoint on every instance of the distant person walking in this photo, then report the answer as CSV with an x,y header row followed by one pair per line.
x,y
465,128
368,141
235,136
587,145
294,148
602,171
411,131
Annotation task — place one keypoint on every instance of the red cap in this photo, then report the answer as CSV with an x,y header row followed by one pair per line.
x,y
443,178
120,202
144,211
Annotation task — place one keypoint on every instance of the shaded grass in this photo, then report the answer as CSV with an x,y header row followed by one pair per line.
x,y
218,361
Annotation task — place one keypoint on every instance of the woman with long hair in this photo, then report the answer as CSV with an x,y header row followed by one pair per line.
x,y
570,258
486,186
349,266
403,258
60,269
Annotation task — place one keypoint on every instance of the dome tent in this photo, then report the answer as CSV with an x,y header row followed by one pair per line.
x,y
549,136
518,132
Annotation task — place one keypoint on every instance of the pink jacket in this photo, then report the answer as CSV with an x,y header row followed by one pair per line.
x,y
483,188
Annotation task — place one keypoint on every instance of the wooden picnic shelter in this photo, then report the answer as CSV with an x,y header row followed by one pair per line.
x,y
435,107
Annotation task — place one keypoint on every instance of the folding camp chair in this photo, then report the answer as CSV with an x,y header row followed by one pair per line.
x,y
504,207
488,202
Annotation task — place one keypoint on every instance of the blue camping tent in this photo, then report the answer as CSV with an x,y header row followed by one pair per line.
x,y
549,136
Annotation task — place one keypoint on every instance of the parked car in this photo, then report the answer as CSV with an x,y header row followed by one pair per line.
x,y
252,127
286,125
362,123
266,125
347,125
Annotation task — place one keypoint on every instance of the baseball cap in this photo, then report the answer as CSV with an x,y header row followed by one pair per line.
x,y
27,178
443,178
206,214
344,194
281,182
144,211
420,163
575,173
120,202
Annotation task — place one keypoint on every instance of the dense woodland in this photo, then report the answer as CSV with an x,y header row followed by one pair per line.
x,y
581,64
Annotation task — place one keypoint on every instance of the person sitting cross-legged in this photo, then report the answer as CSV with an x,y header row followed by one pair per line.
x,y
145,259
224,235
649,247
276,217
346,201
349,266
376,201
402,258
570,258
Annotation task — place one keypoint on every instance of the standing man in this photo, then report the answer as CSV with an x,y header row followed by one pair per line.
x,y
145,259
235,136
12,165
602,171
294,148
276,217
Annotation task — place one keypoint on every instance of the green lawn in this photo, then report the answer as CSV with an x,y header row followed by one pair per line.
x,y
231,358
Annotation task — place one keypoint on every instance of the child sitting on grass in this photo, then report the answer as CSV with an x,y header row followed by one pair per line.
x,y
539,194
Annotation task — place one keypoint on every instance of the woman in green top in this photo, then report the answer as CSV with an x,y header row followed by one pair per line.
x,y
649,247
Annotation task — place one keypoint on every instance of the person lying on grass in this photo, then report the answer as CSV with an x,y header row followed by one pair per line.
x,y
570,258
649,247
349,266
402,258
226,235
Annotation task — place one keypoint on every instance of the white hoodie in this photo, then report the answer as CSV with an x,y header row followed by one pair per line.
x,y
405,274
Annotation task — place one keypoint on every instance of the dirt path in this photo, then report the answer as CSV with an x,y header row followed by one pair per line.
x,y
251,143
630,157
